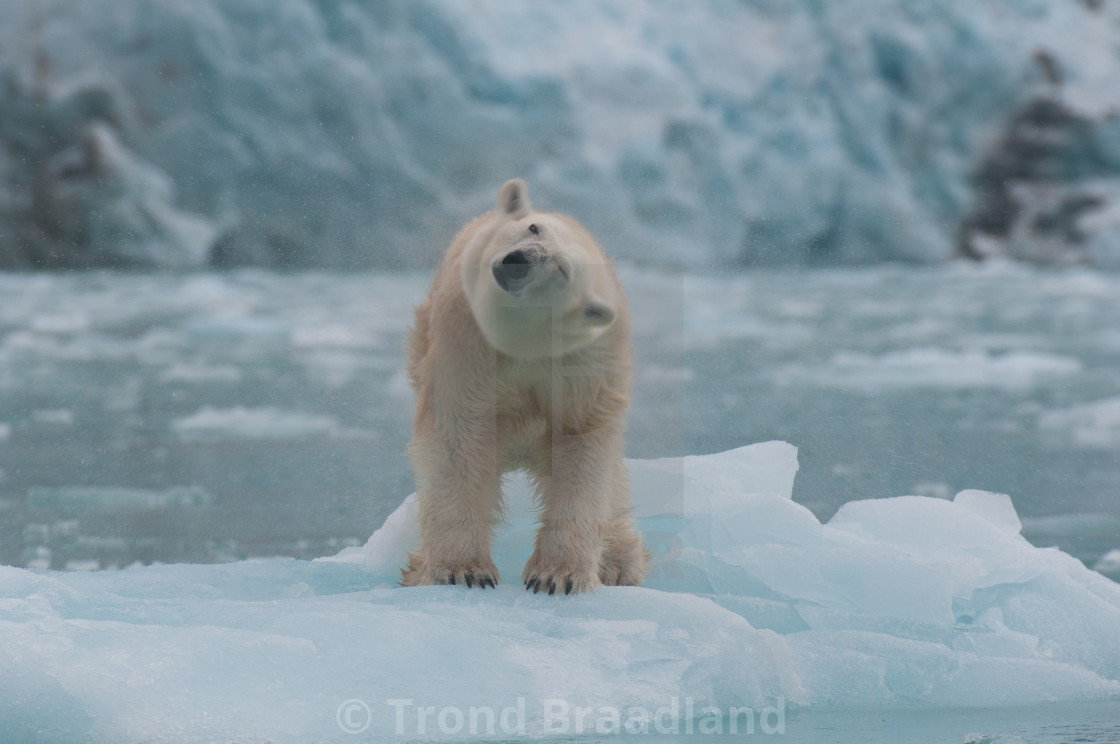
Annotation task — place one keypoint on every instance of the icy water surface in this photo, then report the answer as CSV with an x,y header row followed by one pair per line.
x,y
213,417
1061,723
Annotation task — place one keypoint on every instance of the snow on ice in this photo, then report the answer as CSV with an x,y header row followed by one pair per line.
x,y
752,603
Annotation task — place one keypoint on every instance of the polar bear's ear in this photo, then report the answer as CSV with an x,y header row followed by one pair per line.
x,y
513,199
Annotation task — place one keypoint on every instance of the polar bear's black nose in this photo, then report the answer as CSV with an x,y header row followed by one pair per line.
x,y
512,269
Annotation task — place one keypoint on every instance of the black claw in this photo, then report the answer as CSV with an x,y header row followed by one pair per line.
x,y
452,579
470,581
551,588
568,589
493,583
536,585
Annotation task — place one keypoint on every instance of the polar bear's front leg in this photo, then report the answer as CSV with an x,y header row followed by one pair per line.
x,y
576,494
460,498
625,560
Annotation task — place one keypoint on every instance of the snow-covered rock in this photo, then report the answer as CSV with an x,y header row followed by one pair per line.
x,y
752,603
1047,190
73,196
339,134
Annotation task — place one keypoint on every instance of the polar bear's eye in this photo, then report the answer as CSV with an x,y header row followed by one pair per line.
x,y
534,229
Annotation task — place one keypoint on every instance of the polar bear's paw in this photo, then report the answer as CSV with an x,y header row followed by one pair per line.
x,y
558,578
623,570
480,573
625,560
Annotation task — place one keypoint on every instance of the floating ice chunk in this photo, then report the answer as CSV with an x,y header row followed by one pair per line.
x,y
853,668
53,417
386,551
1095,424
237,328
273,648
220,424
957,574
994,507
81,498
765,469
200,373
908,600
1109,564
923,526
61,323
333,336
934,367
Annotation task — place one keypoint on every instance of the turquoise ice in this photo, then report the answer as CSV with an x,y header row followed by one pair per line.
x,y
753,603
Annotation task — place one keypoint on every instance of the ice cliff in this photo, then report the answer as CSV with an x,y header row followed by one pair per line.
x,y
339,134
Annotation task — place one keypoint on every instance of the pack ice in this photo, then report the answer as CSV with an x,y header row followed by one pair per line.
x,y
753,607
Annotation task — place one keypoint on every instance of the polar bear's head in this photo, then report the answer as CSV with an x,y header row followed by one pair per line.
x,y
537,282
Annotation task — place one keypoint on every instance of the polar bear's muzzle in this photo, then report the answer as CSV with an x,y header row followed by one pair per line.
x,y
512,272
521,268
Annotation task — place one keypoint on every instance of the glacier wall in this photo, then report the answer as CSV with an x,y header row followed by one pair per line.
x,y
331,133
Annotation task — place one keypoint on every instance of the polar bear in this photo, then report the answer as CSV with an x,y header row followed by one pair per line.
x,y
521,359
